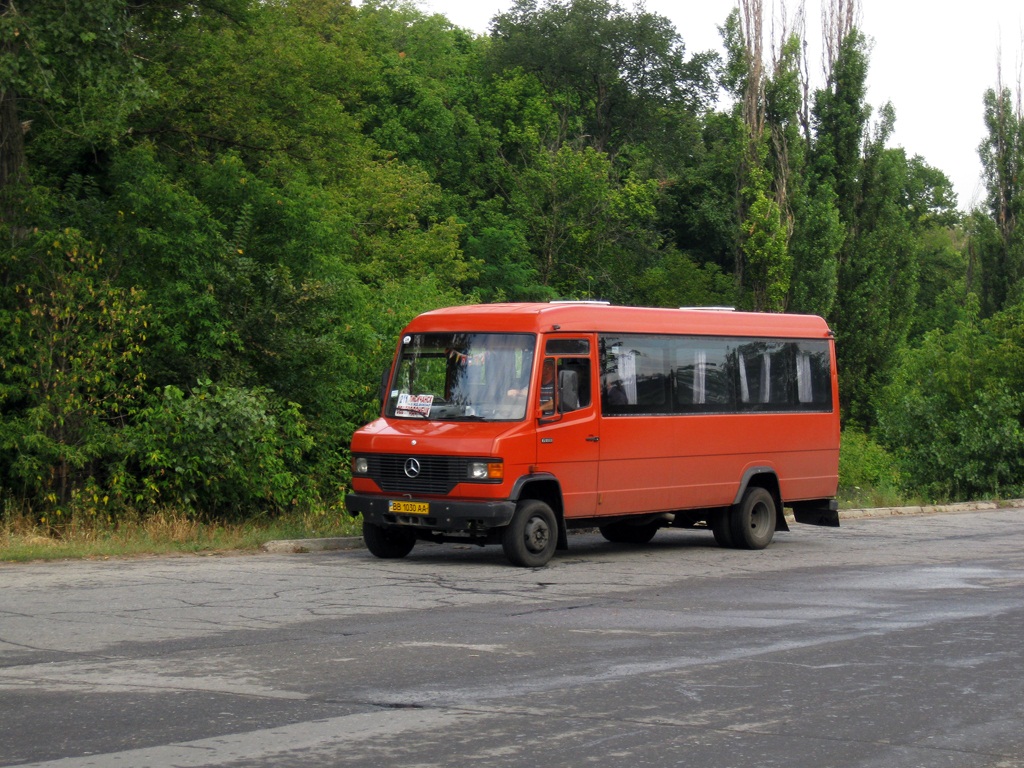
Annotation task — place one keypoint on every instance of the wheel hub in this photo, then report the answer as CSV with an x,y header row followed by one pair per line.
x,y
537,535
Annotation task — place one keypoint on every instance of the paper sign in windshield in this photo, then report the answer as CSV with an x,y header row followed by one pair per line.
x,y
413,405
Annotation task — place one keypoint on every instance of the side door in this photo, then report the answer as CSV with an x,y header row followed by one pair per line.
x,y
568,430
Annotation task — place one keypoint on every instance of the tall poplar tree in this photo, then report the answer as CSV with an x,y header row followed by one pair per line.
x,y
1002,159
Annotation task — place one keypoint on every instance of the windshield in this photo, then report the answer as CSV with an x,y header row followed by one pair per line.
x,y
462,376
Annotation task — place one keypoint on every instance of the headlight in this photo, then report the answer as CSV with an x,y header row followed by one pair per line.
x,y
361,465
486,470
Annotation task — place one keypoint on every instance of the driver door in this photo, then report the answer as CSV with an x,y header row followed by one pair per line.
x,y
568,436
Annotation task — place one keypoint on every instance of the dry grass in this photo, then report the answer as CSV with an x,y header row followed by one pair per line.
x,y
27,537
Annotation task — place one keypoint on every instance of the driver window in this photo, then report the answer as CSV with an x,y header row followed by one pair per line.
x,y
570,370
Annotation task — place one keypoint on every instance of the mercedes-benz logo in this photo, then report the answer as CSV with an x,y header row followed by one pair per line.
x,y
412,468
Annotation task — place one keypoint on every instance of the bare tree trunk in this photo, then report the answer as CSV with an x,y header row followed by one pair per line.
x,y
838,19
755,111
752,25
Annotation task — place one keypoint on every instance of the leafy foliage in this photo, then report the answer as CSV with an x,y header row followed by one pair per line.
x,y
955,410
224,450
868,474
216,217
71,369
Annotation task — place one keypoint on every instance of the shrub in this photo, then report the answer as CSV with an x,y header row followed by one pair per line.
x,y
221,449
868,473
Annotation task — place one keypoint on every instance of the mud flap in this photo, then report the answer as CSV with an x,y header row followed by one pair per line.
x,y
818,512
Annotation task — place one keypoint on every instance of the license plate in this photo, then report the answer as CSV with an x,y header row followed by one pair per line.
x,y
409,507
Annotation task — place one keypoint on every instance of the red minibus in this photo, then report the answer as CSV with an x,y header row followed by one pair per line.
x,y
512,423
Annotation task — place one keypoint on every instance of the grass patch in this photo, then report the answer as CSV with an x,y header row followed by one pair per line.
x,y
24,537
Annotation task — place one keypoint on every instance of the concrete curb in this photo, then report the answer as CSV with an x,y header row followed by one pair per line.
x,y
967,506
300,546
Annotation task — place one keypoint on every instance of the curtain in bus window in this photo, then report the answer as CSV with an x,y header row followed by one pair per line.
x,y
766,378
814,366
700,372
627,375
803,377
754,361
741,363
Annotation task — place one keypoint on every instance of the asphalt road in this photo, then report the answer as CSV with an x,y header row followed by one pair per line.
x,y
889,642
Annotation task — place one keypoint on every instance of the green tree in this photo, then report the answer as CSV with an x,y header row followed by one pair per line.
x,y
677,280
71,371
818,237
943,293
877,278
839,117
588,232
763,242
943,275
954,413
263,226
610,71
1002,158
53,56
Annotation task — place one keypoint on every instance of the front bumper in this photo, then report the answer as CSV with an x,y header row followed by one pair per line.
x,y
444,515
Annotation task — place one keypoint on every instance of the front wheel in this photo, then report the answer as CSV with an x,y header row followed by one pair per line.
x,y
388,542
752,521
530,539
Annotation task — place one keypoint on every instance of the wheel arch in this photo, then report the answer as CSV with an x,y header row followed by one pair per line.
x,y
544,487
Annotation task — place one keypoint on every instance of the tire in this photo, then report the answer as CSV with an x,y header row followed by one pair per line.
x,y
752,521
530,539
721,526
624,533
388,542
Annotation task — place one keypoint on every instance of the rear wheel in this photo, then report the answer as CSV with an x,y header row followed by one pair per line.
x,y
624,533
721,526
753,519
530,539
388,542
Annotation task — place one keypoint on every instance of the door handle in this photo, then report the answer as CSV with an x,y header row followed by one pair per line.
x,y
593,439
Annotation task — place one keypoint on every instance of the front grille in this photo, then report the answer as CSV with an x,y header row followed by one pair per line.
x,y
437,475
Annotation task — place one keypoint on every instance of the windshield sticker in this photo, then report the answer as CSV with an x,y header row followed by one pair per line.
x,y
414,405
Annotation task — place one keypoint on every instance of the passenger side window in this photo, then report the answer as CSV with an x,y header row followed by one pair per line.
x,y
653,375
702,377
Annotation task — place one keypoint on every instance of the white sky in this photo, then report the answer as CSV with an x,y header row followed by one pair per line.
x,y
933,61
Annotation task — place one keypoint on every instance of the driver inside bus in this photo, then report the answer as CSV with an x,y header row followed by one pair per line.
x,y
521,383
547,387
